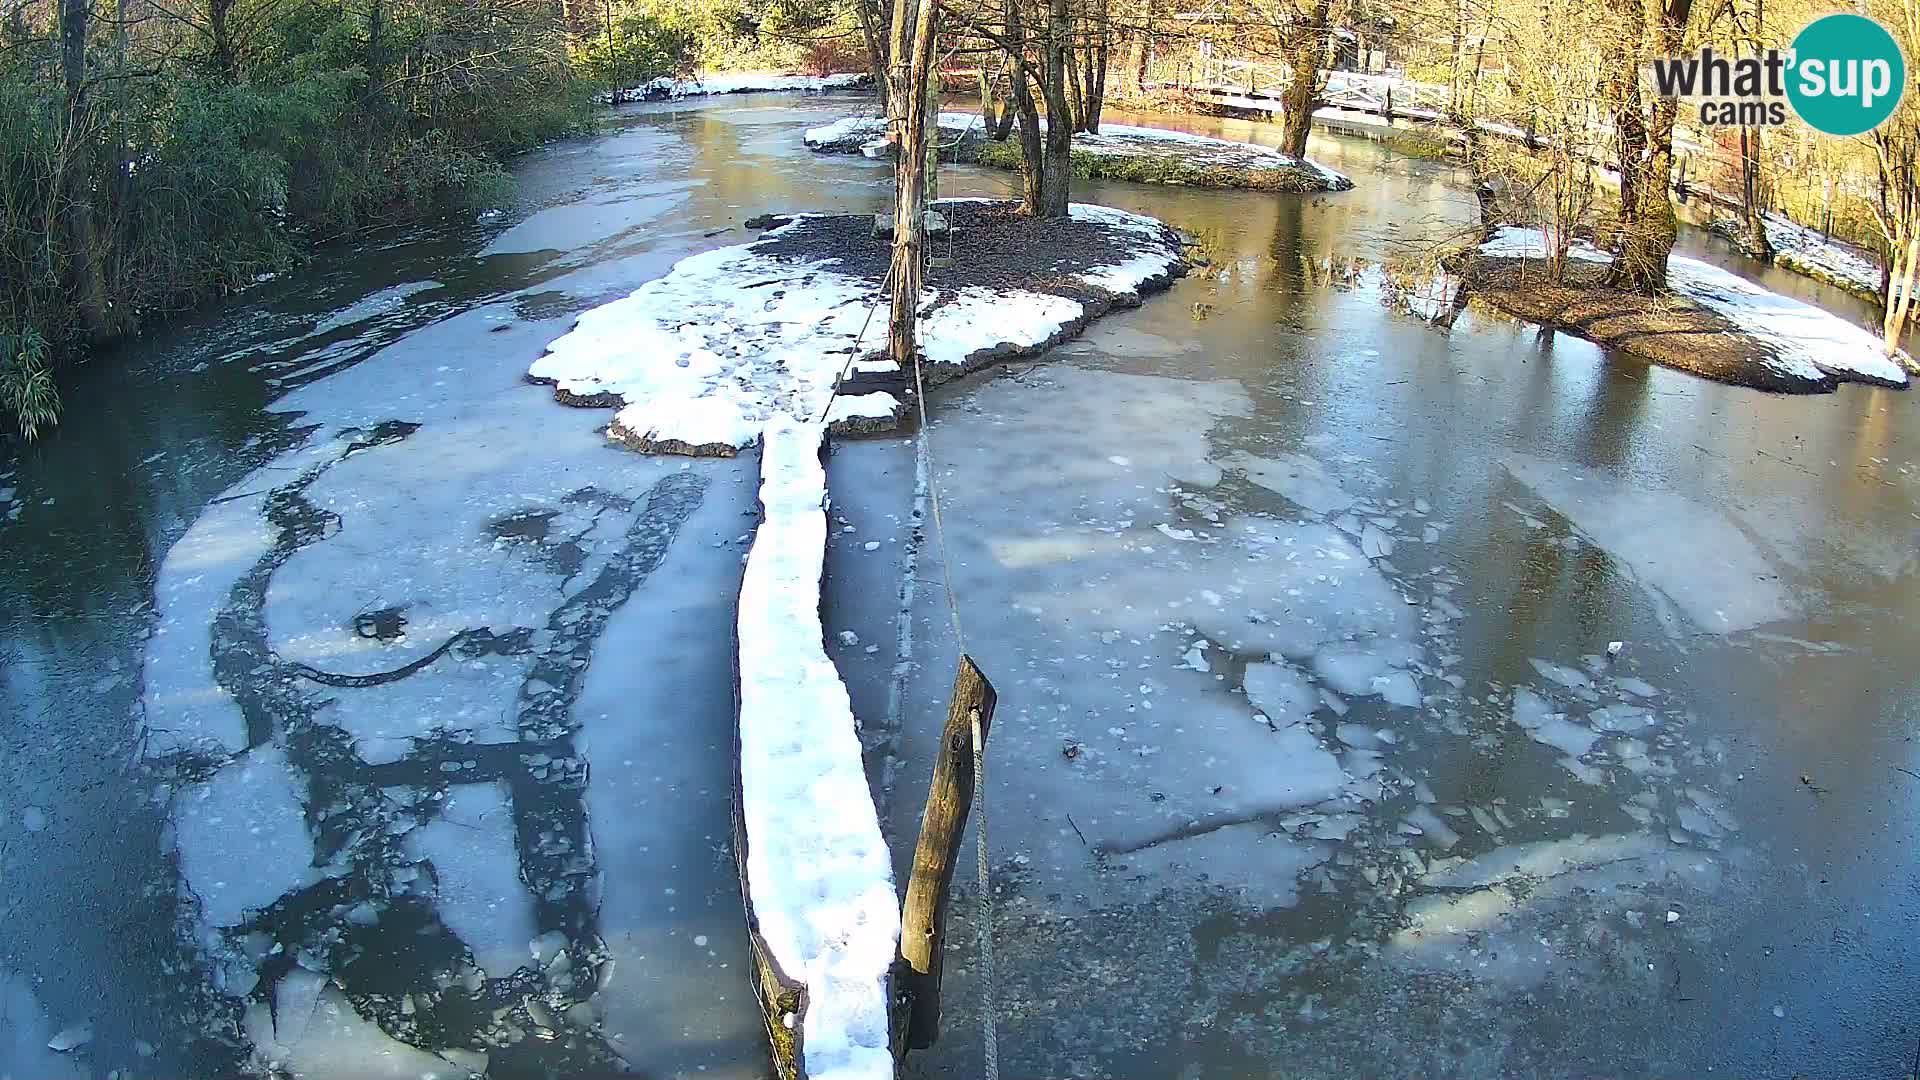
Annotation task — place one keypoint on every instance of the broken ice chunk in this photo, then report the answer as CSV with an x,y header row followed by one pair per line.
x,y
1278,689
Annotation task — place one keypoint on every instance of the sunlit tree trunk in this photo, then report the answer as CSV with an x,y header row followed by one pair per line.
x,y
1056,168
1647,226
1307,42
1753,211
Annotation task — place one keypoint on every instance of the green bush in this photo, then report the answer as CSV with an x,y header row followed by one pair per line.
x,y
27,391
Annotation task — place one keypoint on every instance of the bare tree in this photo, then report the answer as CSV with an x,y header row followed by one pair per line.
x,y
1896,146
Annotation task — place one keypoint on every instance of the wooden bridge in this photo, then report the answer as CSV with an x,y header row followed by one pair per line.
x,y
1380,100
1252,86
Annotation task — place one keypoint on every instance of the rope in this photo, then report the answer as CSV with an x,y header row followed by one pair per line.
x,y
991,1048
933,492
853,350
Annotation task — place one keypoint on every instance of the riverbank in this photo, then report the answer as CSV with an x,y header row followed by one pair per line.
x,y
1116,152
669,88
1711,323
1809,252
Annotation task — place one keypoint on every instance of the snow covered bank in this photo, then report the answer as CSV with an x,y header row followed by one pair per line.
x,y
701,359
1121,152
867,135
1202,150
819,878
1807,251
1748,335
738,82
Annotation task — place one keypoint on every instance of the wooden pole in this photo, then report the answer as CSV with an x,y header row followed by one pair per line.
x,y
913,63
923,920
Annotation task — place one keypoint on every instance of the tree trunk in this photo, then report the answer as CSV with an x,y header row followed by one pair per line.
x,y
1306,51
1094,72
1032,154
870,23
992,105
1458,51
1757,243
224,67
1056,166
86,255
376,49
1074,101
1901,263
1002,125
1647,224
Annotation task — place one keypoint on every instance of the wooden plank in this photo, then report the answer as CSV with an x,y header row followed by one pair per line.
x,y
923,919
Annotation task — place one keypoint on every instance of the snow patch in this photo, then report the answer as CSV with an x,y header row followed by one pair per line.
x,y
186,708
743,82
852,131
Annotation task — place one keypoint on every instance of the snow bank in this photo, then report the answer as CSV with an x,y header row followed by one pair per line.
x,y
741,82
818,871
1807,343
1810,252
867,134
1799,333
1125,139
851,134
702,358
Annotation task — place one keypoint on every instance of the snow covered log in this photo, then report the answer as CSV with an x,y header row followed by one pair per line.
x,y
815,871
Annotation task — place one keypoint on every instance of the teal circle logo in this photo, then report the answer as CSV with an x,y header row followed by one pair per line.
x,y
1847,74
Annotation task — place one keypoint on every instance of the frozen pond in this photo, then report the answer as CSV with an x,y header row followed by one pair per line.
x,y
372,714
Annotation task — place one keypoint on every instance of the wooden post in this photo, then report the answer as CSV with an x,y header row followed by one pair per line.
x,y
923,920
913,57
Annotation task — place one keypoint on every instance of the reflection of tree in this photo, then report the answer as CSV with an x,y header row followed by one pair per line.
x,y
1612,417
1293,256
